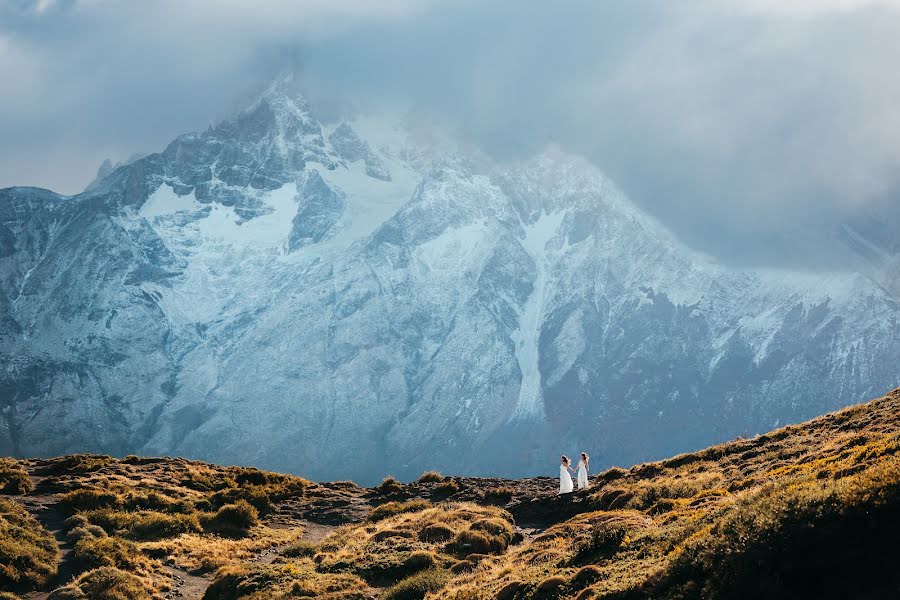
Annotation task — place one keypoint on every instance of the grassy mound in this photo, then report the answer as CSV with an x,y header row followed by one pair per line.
x,y
28,553
106,583
13,477
807,511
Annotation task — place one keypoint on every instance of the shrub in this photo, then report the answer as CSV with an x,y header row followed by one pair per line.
x,y
390,485
605,539
256,496
13,477
95,552
495,527
301,549
585,576
76,464
471,542
86,531
386,534
436,532
447,488
28,552
485,536
106,583
462,566
417,586
551,587
143,525
386,567
91,499
499,495
391,509
279,581
430,477
157,502
233,519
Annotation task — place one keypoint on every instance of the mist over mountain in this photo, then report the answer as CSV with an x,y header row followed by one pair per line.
x,y
351,298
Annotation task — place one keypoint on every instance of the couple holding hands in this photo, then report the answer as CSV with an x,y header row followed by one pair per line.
x,y
581,474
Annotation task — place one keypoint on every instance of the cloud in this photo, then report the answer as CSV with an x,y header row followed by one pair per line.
x,y
745,126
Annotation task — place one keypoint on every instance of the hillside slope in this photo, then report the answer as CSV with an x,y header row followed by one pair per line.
x,y
807,511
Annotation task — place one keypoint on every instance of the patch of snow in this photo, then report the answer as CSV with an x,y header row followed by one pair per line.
x,y
527,336
370,202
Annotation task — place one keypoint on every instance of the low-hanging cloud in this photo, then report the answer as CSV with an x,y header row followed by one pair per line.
x,y
744,126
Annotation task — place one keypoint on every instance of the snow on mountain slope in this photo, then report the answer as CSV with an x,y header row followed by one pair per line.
x,y
352,299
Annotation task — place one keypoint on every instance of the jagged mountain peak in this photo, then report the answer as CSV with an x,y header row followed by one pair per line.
x,y
267,289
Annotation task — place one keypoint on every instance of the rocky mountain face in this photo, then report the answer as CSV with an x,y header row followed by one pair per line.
x,y
351,299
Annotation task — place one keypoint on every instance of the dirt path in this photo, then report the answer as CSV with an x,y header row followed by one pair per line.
x,y
44,508
186,585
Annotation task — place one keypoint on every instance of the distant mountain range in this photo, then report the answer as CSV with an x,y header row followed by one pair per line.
x,y
345,300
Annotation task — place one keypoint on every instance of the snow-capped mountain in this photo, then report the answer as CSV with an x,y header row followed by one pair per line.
x,y
357,298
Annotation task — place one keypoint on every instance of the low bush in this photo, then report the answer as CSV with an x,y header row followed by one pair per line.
x,y
390,485
86,531
390,509
145,525
551,587
300,549
28,552
253,495
436,532
472,542
76,464
499,495
282,580
605,540
232,519
485,536
157,502
447,488
417,586
91,499
430,477
496,528
106,583
13,477
94,552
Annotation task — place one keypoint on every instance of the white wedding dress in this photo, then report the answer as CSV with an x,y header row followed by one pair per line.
x,y
582,476
565,480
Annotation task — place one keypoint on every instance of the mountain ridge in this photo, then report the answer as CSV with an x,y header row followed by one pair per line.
x,y
271,279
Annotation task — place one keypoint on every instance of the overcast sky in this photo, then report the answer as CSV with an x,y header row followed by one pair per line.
x,y
743,125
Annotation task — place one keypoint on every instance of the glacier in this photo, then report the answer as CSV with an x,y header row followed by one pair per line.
x,y
358,298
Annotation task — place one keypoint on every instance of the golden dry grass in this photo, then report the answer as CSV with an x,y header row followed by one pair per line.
x,y
745,519
28,553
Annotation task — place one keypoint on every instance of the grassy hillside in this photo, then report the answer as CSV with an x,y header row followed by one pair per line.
x,y
811,510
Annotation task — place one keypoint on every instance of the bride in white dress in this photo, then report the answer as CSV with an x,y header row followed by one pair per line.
x,y
582,475
565,478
